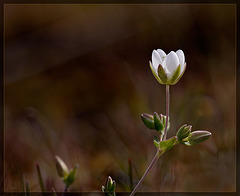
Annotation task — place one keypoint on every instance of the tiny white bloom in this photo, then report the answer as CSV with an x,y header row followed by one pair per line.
x,y
168,69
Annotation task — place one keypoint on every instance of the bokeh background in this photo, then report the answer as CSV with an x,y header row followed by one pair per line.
x,y
77,79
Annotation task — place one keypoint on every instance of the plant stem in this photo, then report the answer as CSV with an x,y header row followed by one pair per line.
x,y
65,190
167,111
158,154
40,179
130,174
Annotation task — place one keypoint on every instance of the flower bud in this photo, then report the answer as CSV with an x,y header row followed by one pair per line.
x,y
148,120
197,137
183,132
158,123
109,183
61,167
110,186
163,119
168,68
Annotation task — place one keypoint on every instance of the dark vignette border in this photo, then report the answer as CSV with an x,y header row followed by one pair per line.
x,y
237,32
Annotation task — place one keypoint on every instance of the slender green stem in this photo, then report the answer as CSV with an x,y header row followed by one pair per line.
x,y
167,111
65,190
27,193
40,179
158,154
130,174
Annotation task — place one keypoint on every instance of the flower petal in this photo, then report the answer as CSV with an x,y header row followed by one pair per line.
x,y
172,62
161,53
156,59
181,58
155,73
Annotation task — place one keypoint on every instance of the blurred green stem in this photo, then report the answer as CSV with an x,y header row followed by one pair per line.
x,y
40,180
158,154
167,111
130,174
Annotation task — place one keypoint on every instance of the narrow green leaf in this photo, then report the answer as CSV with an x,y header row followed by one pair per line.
x,y
130,174
71,176
113,187
174,77
40,180
27,193
156,143
168,144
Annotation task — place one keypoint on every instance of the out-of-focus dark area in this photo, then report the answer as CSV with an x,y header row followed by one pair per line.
x,y
77,79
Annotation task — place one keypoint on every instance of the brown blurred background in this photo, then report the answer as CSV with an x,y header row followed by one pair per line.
x,y
77,79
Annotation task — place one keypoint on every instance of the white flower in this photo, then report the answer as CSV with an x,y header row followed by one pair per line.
x,y
168,69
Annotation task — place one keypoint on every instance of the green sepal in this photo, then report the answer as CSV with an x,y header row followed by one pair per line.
x,y
197,137
174,78
162,74
155,74
158,124
112,189
183,132
156,141
148,120
168,144
71,176
181,74
163,119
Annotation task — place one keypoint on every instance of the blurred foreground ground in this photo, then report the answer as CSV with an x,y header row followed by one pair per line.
x,y
77,80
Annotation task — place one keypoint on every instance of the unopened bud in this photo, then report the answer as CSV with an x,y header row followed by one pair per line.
x,y
158,123
148,120
183,132
61,167
197,137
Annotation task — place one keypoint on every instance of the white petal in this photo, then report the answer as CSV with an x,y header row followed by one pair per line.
x,y
161,53
156,59
164,66
153,68
172,62
181,58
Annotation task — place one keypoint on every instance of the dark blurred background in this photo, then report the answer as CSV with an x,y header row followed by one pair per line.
x,y
77,79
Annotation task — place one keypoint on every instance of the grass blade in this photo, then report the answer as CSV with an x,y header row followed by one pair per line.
x,y
130,174
40,180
